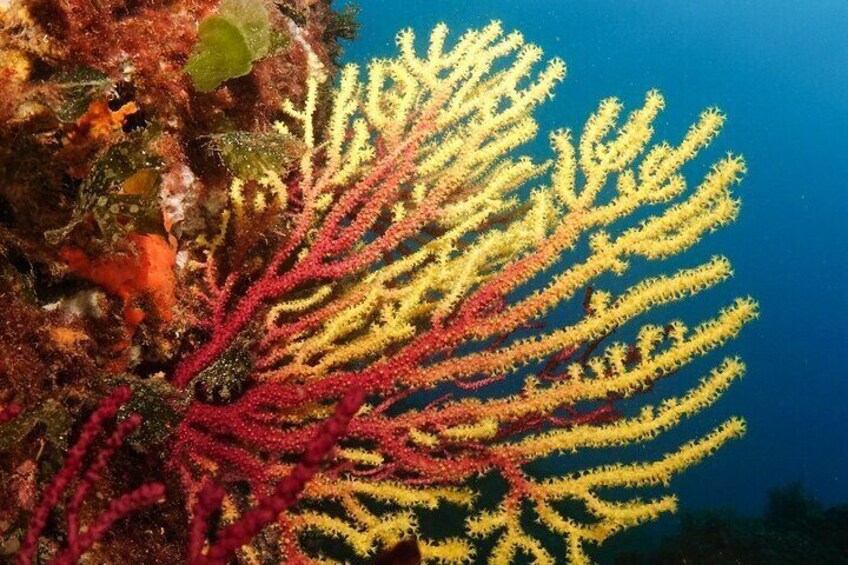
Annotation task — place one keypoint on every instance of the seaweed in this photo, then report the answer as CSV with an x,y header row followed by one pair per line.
x,y
230,42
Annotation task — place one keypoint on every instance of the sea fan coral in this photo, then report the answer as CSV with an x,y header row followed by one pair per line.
x,y
407,264
345,316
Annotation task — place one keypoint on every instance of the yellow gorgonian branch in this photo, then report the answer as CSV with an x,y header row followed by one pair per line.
x,y
460,285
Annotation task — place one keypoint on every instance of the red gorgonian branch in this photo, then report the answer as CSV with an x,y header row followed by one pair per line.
x,y
80,541
269,508
9,413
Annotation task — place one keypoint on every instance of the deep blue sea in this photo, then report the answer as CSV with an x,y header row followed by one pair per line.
x,y
779,69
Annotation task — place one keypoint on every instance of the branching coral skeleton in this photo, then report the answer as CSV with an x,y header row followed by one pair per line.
x,y
407,266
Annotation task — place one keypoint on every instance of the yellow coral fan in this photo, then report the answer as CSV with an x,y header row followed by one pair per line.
x,y
427,283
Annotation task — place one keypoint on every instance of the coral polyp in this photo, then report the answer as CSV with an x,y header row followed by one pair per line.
x,y
368,307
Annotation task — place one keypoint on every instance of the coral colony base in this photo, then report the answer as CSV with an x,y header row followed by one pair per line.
x,y
312,325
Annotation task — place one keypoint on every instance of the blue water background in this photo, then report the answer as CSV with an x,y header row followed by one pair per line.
x,y
778,69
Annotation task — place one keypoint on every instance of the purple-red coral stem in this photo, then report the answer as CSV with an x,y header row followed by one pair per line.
x,y
10,412
285,494
143,496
